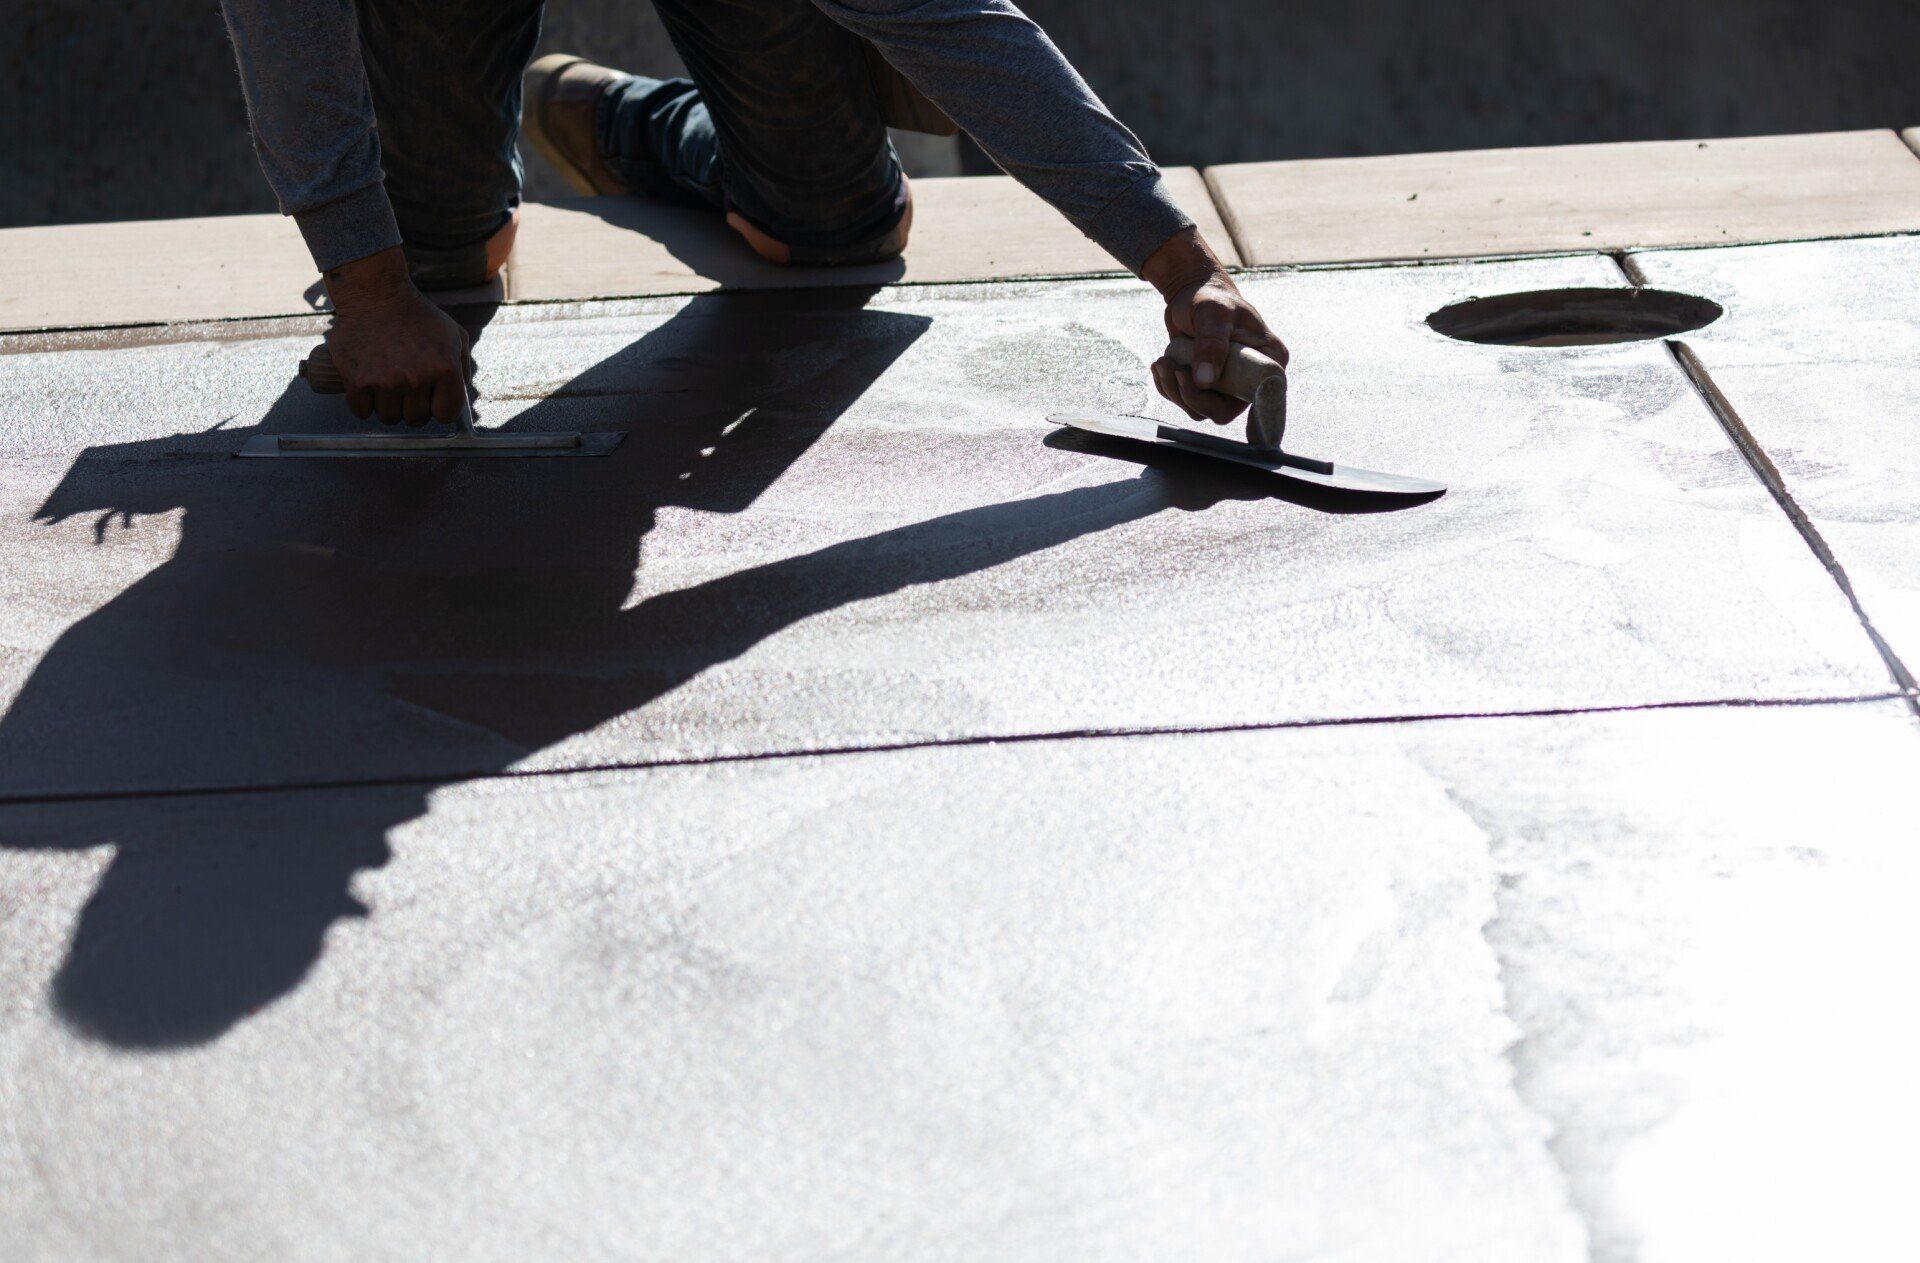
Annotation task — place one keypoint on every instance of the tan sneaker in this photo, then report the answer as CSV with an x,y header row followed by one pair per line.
x,y
560,97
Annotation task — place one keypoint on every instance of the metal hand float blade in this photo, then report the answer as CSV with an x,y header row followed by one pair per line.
x,y
1318,472
458,443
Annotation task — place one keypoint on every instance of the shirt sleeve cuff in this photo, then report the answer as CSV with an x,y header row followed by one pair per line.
x,y
354,227
1137,221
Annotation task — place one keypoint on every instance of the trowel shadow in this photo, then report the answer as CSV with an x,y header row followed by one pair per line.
x,y
1190,466
248,723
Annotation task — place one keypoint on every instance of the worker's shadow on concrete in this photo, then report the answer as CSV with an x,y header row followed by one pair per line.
x,y
378,627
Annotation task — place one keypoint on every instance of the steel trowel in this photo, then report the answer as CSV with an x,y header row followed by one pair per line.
x,y
1262,383
463,440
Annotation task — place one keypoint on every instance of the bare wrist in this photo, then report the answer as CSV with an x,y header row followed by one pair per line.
x,y
1182,262
374,281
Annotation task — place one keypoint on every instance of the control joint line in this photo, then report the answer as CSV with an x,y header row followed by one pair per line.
x,y
58,797
1768,473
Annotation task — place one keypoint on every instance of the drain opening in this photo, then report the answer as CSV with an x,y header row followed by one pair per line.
x,y
1574,317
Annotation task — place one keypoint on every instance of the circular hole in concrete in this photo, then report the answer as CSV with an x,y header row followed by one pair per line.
x,y
1574,317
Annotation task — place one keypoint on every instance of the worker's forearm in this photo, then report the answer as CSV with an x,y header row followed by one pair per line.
x,y
312,120
998,76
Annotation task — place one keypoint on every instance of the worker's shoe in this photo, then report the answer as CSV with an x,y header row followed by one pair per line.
x,y
561,99
462,267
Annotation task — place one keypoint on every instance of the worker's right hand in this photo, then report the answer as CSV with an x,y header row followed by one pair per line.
x,y
1205,305
398,354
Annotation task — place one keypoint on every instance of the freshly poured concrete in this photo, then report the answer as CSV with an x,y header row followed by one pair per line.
x,y
841,521
1570,197
1529,990
305,957
1820,358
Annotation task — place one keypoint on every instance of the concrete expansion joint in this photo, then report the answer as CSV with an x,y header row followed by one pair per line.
x,y
1223,206
1762,467
1769,475
33,337
1910,696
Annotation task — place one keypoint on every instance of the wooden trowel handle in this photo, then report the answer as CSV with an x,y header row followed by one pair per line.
x,y
1246,368
1251,376
320,373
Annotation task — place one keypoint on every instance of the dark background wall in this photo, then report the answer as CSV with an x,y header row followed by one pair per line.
x,y
116,109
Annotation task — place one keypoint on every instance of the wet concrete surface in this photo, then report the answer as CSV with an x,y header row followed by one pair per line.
x,y
1820,367
1524,989
908,961
843,522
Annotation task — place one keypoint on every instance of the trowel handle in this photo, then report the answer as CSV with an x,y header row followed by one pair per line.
x,y
1245,368
325,379
320,373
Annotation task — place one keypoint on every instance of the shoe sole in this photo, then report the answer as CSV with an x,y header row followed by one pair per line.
x,y
541,76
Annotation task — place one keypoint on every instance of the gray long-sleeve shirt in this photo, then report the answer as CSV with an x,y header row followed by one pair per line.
x,y
985,63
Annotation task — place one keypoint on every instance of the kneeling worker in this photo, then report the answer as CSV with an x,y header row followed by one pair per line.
x,y
388,130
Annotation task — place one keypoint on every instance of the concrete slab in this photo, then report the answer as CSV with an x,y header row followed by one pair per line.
x,y
1530,990
1570,197
1817,355
1693,940
249,266
840,520
154,271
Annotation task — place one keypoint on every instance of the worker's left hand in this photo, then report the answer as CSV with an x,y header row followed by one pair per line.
x,y
1204,304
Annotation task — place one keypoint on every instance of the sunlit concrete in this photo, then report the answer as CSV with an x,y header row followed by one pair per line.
x,y
856,822
842,520
1571,197
1531,990
1821,363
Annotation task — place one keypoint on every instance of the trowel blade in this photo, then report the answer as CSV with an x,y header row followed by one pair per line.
x,y
391,445
1318,472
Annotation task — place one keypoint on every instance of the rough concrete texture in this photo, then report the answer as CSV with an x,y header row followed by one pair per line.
x,y
849,531
1055,864
125,110
1818,365
1526,990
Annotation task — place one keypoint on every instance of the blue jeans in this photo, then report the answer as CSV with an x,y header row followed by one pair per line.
x,y
779,121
